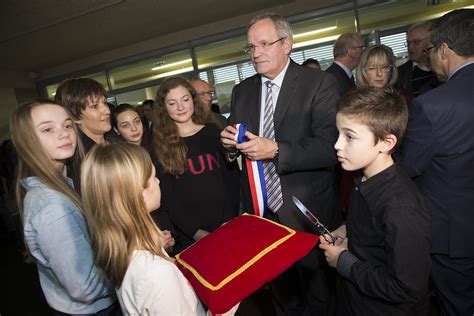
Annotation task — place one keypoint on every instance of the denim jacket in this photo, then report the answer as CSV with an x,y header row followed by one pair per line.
x,y
57,237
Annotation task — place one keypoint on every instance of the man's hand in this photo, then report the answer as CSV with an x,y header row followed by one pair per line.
x,y
257,148
227,138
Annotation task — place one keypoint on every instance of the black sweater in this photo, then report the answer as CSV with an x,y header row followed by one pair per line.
x,y
205,196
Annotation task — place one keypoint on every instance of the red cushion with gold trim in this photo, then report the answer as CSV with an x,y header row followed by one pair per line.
x,y
238,258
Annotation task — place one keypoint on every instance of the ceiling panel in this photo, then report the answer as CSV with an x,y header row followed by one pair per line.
x,y
43,33
19,18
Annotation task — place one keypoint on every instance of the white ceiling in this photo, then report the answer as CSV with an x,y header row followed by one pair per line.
x,y
40,34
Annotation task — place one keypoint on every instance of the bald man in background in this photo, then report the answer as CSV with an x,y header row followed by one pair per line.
x,y
205,94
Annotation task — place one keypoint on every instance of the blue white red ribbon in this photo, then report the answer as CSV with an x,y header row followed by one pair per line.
x,y
256,178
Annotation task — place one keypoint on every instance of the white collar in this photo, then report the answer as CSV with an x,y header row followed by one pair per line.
x,y
278,81
345,68
424,68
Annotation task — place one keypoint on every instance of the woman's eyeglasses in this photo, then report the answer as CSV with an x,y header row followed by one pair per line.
x,y
383,68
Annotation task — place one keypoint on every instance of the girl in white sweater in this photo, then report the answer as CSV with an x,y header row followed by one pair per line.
x,y
119,190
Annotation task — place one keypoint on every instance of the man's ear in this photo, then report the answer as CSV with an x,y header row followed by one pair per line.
x,y
287,45
388,143
349,52
444,50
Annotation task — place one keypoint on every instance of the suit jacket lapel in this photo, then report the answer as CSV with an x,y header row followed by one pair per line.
x,y
349,81
287,91
255,95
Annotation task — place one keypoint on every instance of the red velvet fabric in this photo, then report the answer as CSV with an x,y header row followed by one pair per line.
x,y
249,250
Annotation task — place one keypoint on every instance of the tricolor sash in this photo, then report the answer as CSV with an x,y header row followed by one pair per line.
x,y
256,178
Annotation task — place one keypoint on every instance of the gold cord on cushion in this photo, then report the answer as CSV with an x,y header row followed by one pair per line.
x,y
247,265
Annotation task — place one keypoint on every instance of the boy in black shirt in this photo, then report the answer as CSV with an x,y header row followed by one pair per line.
x,y
385,260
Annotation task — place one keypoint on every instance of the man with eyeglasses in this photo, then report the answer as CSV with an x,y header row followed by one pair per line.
x,y
415,76
289,111
347,52
438,153
206,94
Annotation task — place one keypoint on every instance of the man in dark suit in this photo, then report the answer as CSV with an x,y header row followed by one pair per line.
x,y
415,76
298,104
438,152
347,52
147,119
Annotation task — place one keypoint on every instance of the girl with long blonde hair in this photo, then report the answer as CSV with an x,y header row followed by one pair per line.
x,y
201,189
55,232
120,189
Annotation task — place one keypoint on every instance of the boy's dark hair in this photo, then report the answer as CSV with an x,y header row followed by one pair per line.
x,y
456,29
77,93
383,111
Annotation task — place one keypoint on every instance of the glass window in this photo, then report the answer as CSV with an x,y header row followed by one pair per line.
x,y
222,52
323,54
226,74
397,43
203,76
134,97
246,70
321,30
404,12
298,57
311,40
151,69
100,77
224,79
51,90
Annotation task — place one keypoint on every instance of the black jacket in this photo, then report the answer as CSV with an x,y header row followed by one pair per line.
x,y
423,81
344,82
438,153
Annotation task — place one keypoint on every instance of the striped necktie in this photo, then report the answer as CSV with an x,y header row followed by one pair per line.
x,y
272,180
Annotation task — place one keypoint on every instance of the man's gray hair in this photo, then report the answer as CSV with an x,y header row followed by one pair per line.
x,y
344,42
425,25
282,26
